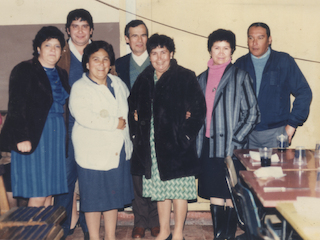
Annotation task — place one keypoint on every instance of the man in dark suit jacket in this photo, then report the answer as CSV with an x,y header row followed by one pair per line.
x,y
128,68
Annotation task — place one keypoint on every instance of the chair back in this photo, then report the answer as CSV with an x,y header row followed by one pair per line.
x,y
4,204
249,210
232,180
243,203
231,171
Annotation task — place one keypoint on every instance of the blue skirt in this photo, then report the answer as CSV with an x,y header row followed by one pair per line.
x,y
106,190
42,173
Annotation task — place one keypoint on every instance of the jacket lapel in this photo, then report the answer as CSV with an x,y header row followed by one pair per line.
x,y
43,80
223,82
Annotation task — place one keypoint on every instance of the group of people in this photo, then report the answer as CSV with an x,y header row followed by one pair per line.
x,y
140,129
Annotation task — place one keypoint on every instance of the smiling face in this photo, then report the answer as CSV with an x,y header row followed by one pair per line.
x,y
99,66
137,39
49,53
258,41
80,32
160,59
220,52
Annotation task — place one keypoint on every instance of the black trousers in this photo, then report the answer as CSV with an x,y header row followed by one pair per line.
x,y
145,211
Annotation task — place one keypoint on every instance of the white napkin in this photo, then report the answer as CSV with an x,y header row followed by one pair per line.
x,y
255,156
266,172
308,206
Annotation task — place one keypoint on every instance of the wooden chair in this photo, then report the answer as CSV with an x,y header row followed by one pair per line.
x,y
32,223
4,204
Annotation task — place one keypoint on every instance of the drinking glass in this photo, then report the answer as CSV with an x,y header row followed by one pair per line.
x,y
265,156
300,156
317,150
282,142
318,181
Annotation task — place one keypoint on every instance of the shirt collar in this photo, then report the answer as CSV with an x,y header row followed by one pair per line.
x,y
267,54
74,50
140,59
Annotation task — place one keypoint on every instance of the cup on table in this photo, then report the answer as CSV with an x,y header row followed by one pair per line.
x,y
317,150
265,156
318,181
300,156
282,142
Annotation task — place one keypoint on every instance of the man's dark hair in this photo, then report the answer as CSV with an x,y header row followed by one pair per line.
x,y
222,35
93,47
47,33
81,14
260,24
134,23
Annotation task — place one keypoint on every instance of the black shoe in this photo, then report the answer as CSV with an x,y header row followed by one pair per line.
x,y
86,236
218,220
231,223
169,238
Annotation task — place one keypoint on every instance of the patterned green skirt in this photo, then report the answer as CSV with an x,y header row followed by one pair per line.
x,y
179,188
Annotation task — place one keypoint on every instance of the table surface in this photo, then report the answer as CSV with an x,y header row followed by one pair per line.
x,y
293,179
286,160
308,228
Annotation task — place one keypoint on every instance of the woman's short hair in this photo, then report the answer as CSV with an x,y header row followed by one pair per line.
x,y
93,47
222,35
157,40
47,33
81,14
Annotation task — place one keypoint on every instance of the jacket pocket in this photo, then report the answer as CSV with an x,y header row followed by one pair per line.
x,y
274,93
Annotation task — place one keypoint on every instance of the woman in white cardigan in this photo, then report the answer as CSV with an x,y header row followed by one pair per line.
x,y
98,102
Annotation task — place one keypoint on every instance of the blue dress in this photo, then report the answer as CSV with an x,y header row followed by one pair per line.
x,y
43,172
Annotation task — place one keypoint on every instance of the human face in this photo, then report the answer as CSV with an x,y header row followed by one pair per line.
x,y
49,53
258,41
160,59
137,39
220,52
80,32
99,66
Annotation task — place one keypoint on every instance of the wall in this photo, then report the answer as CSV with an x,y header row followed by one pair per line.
x,y
293,25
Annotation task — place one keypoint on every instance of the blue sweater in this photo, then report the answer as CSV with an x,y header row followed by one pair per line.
x,y
281,77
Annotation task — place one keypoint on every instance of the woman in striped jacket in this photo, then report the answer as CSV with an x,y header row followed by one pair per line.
x,y
232,113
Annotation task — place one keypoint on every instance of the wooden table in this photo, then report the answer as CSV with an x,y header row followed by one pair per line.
x,y
307,228
293,179
286,160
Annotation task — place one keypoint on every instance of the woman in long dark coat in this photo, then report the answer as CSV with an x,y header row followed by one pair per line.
x,y
34,130
166,110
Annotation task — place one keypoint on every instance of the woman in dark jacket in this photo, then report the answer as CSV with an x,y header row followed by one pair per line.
x,y
232,113
166,111
34,130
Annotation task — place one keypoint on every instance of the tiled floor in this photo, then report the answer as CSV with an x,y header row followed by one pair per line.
x,y
191,232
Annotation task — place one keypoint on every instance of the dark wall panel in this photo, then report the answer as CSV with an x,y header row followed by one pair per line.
x,y
16,46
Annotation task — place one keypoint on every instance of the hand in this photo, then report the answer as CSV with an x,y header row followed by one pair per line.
x,y
24,146
135,115
188,114
290,132
122,123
